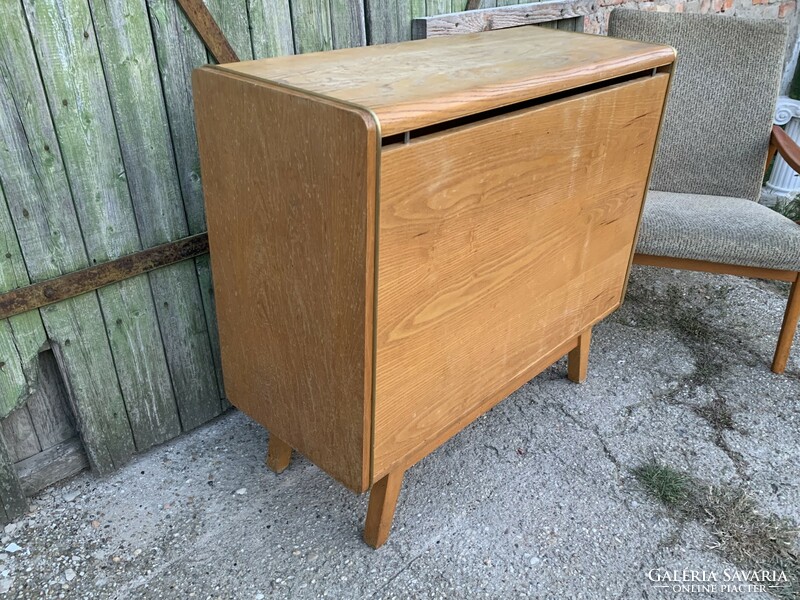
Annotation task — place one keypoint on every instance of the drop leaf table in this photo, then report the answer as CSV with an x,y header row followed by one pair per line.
x,y
402,235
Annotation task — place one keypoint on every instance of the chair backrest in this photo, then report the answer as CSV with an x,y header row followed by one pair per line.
x,y
715,134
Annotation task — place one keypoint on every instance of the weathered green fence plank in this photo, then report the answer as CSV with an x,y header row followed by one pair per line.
x,y
179,50
13,502
311,22
39,200
21,336
70,66
271,28
19,434
348,28
232,18
382,21
129,61
438,7
390,21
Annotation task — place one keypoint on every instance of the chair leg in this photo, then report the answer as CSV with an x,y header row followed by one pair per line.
x,y
382,502
578,358
790,318
279,453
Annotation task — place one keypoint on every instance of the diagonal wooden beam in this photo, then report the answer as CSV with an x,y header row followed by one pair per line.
x,y
208,30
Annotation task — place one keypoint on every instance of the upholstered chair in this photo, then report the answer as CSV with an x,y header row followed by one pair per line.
x,y
702,211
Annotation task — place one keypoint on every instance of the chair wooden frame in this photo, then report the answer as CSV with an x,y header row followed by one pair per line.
x,y
782,144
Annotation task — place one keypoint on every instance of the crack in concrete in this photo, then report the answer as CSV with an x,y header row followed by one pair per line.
x,y
594,430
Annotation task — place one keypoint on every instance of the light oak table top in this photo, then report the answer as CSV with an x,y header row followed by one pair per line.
x,y
415,84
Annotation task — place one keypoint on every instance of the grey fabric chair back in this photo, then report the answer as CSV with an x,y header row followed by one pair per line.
x,y
716,128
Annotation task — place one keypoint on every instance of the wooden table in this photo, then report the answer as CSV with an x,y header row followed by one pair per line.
x,y
402,235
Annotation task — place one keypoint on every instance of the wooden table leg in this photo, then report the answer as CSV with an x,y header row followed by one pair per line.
x,y
279,453
578,359
382,502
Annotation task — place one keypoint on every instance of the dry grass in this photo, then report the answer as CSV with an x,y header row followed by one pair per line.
x,y
743,535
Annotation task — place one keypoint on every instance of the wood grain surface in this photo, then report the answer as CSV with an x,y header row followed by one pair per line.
x,y
501,242
290,185
487,19
420,83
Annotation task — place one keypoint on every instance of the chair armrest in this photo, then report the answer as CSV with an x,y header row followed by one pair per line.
x,y
781,143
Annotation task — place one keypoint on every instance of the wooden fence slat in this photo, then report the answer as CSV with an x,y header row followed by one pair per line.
x,y
56,463
71,69
574,24
38,195
19,434
311,22
390,21
48,405
271,28
13,379
131,73
207,28
23,335
382,22
348,28
438,7
13,502
179,50
232,18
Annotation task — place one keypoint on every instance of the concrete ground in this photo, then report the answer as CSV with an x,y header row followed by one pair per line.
x,y
535,499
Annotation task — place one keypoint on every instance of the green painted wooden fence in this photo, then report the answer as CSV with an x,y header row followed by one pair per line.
x,y
98,159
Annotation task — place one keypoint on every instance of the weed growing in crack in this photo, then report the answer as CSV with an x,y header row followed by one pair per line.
x,y
743,535
717,414
667,485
